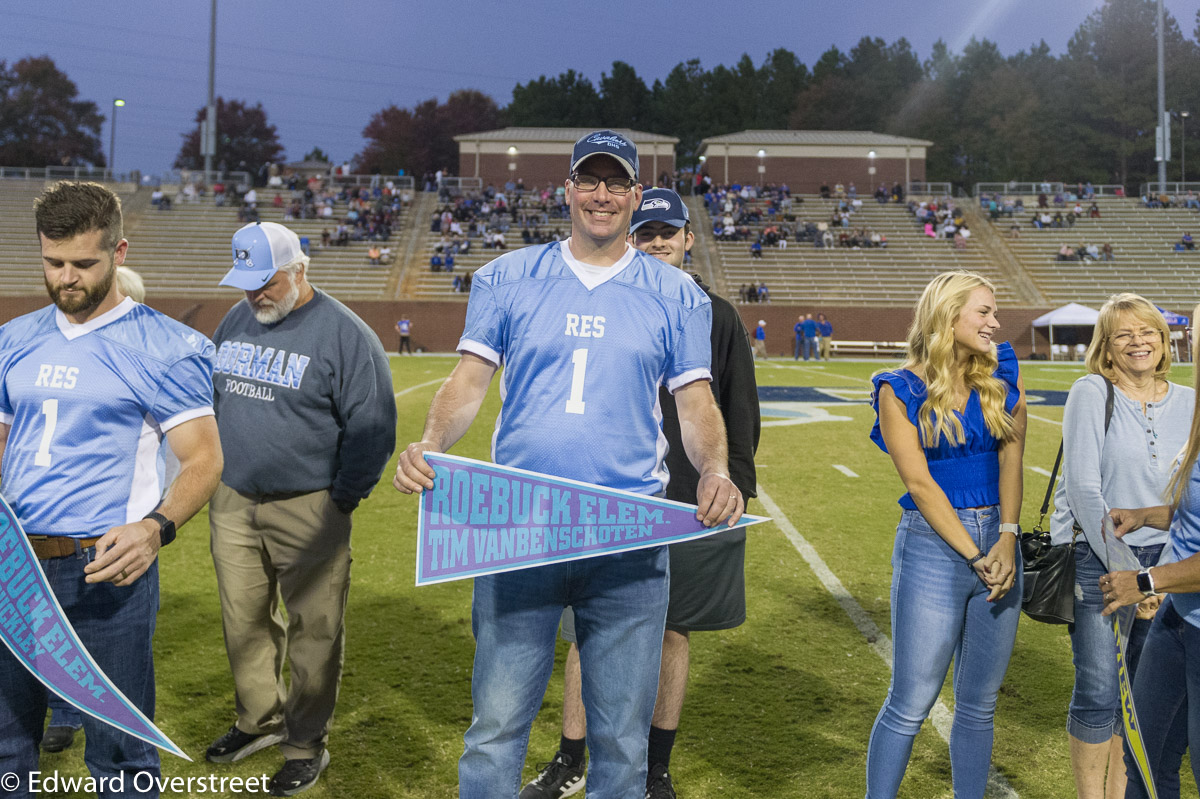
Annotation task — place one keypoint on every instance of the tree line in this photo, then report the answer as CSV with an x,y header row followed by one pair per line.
x,y
1086,114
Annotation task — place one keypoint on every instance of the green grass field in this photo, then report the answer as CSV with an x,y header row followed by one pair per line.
x,y
780,707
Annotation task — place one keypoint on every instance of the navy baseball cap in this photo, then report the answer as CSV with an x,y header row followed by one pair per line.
x,y
659,205
259,250
606,142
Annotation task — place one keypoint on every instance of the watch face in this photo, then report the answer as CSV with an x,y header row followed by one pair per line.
x,y
1143,582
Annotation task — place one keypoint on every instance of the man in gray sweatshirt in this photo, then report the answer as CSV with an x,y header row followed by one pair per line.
x,y
307,414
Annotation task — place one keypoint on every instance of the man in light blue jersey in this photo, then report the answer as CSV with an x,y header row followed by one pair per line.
x,y
586,330
89,387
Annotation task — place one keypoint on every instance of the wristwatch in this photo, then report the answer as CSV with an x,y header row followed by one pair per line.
x,y
1145,583
166,527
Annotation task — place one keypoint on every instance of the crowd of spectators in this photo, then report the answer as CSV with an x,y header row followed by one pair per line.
x,y
1085,252
1164,200
941,220
748,292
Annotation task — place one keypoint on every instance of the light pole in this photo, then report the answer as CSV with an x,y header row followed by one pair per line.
x,y
762,166
112,138
870,170
1183,118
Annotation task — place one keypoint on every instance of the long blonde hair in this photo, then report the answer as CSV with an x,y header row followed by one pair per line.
x,y
1143,310
931,349
1186,460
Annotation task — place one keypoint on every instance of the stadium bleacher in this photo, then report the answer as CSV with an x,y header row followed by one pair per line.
x,y
1143,259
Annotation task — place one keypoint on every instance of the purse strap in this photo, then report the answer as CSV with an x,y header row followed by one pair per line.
x,y
1108,412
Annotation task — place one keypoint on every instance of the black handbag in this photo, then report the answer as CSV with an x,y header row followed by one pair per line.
x,y
1048,592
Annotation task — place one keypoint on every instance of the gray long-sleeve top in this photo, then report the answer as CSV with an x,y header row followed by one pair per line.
x,y
305,404
1128,468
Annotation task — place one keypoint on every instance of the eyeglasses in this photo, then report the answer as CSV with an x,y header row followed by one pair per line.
x,y
1126,338
615,185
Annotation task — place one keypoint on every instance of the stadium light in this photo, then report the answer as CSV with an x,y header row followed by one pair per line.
x,y
762,167
1183,118
512,164
112,137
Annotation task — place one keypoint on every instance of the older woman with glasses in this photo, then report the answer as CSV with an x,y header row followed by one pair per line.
x,y
1114,458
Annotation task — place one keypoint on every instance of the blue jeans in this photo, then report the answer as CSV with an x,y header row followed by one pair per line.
x,y
811,348
117,627
64,715
620,604
796,348
939,612
1169,672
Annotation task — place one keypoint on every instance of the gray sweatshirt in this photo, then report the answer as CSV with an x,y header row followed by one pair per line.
x,y
305,404
1128,468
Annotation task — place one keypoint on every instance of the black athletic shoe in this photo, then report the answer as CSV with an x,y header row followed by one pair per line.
x,y
235,744
555,779
659,786
56,739
298,775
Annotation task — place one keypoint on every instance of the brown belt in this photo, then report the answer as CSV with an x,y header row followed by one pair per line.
x,y
58,546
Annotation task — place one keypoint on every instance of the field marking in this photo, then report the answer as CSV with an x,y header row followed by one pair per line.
x,y
844,470
404,391
820,373
879,643
1044,419
1039,470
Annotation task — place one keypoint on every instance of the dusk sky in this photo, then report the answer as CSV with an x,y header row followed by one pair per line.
x,y
321,69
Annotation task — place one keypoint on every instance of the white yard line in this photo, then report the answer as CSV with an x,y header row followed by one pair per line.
x,y
844,470
998,787
1044,419
404,391
1039,470
818,371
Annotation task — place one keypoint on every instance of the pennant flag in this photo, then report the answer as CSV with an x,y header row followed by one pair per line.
x,y
35,629
481,518
1121,558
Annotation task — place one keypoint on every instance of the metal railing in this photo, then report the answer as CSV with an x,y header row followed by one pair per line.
x,y
1173,189
930,189
98,174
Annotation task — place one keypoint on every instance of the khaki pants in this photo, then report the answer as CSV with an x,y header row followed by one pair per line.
x,y
825,347
296,549
760,348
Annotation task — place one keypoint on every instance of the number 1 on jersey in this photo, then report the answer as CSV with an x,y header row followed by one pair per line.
x,y
575,403
50,411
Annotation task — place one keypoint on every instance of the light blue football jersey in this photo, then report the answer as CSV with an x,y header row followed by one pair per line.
x,y
584,350
87,407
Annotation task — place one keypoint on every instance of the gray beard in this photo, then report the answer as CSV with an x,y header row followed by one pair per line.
x,y
276,312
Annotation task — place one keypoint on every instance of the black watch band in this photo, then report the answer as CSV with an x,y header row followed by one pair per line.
x,y
1145,583
166,528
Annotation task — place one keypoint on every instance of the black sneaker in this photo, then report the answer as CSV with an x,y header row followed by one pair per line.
x,y
555,779
56,739
659,786
298,775
235,744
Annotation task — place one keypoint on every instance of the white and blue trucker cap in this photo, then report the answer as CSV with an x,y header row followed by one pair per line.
x,y
659,205
606,142
259,250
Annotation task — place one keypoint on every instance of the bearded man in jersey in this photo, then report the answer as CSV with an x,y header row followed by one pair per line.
x,y
587,330
89,387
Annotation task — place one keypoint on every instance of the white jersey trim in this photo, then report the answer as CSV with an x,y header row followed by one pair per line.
x,y
7,418
72,331
186,416
591,275
480,349
145,490
690,376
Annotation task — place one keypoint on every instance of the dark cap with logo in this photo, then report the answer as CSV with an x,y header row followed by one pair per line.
x,y
606,142
659,205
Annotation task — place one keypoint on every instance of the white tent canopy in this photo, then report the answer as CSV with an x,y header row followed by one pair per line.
x,y
1070,315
